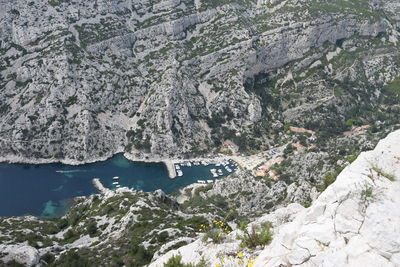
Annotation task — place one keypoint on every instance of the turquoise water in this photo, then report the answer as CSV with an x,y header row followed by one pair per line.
x,y
46,190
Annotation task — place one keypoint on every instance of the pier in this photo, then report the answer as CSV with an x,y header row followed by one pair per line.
x,y
171,168
99,186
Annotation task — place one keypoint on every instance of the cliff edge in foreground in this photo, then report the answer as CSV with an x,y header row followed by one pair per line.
x,y
354,222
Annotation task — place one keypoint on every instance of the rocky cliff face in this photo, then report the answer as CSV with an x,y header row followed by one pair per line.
x,y
82,80
354,222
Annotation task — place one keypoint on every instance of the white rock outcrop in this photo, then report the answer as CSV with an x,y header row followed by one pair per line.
x,y
354,222
26,255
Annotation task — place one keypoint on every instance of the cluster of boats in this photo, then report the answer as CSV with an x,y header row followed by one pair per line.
x,y
115,181
205,181
225,165
179,172
216,172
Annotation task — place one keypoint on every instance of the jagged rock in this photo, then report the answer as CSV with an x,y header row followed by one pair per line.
x,y
354,220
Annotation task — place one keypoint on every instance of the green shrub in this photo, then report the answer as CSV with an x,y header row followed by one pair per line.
x,y
215,231
162,237
13,263
54,3
62,224
352,158
72,259
176,261
243,225
70,236
92,229
258,236
47,258
330,178
367,193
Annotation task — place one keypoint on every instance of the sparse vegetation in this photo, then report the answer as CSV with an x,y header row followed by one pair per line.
x,y
258,236
216,230
380,172
330,178
176,261
54,3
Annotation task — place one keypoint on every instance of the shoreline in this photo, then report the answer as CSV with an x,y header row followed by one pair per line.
x,y
169,163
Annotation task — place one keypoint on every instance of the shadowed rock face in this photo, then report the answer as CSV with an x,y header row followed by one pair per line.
x,y
83,80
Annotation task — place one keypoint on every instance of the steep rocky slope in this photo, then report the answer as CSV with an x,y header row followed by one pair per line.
x,y
354,222
136,224
83,80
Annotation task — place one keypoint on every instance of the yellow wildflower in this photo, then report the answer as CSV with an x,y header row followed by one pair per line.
x,y
240,254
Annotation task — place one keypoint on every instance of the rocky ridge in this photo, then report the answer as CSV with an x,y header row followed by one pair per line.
x,y
354,222
84,80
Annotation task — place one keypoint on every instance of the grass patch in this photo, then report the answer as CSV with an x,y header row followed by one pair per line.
x,y
380,172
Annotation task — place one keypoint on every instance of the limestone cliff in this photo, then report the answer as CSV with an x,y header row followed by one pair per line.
x,y
354,222
80,81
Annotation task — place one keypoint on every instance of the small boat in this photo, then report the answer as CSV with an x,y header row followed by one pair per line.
x,y
215,174
189,164
196,163
179,172
115,183
201,181
177,167
116,177
210,181
220,172
218,164
213,170
204,163
118,186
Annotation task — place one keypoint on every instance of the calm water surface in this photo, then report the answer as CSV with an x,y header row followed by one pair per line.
x,y
46,189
